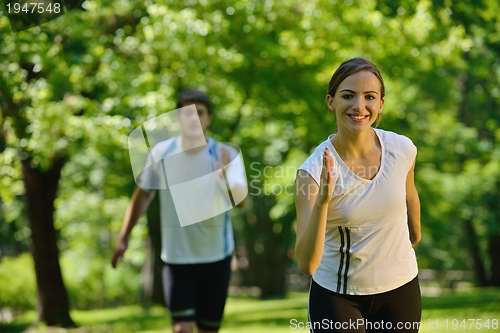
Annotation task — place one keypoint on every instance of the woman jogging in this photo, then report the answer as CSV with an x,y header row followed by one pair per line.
x,y
358,215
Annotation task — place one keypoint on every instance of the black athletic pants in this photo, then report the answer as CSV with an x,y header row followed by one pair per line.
x,y
197,292
398,310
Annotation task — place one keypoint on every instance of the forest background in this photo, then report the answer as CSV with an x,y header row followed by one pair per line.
x,y
73,89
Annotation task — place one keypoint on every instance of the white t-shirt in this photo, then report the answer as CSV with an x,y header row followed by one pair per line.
x,y
367,247
201,240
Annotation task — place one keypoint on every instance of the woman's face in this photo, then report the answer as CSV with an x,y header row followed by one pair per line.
x,y
357,102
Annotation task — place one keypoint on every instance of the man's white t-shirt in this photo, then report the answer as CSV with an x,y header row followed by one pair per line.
x,y
204,241
367,247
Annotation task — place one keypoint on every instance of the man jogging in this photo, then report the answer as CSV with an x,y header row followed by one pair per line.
x,y
197,253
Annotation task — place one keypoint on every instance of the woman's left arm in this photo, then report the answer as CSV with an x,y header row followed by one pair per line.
x,y
413,207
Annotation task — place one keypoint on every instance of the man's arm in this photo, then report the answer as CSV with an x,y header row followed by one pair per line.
x,y
239,190
138,206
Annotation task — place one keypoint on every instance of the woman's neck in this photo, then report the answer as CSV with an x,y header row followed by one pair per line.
x,y
356,145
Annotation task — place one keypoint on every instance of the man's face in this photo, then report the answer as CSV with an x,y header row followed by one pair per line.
x,y
190,121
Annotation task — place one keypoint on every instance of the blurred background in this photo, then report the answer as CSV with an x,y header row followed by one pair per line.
x,y
73,89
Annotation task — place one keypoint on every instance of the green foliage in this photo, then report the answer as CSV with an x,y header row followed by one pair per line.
x,y
81,83
87,220
18,287
92,282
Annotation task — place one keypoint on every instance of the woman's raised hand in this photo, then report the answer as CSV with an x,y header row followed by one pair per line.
x,y
327,180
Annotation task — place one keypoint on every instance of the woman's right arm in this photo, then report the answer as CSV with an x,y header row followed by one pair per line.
x,y
311,202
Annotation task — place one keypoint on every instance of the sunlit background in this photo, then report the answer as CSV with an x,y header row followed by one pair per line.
x,y
72,90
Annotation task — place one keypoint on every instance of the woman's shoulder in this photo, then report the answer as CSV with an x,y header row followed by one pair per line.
x,y
313,164
394,139
398,145
318,151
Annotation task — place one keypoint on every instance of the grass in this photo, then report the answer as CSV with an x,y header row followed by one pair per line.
x,y
250,315
463,309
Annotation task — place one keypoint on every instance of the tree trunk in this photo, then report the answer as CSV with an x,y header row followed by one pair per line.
x,y
493,207
272,277
152,269
41,187
494,249
475,253
266,248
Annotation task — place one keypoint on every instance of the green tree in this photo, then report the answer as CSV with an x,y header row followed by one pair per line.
x,y
49,111
72,89
478,82
449,99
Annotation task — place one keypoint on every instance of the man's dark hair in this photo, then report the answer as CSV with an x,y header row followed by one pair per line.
x,y
194,96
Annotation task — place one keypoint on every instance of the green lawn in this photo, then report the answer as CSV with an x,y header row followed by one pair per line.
x,y
249,315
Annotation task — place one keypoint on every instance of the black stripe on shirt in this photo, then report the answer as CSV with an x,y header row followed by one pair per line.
x,y
341,265
345,246
348,257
